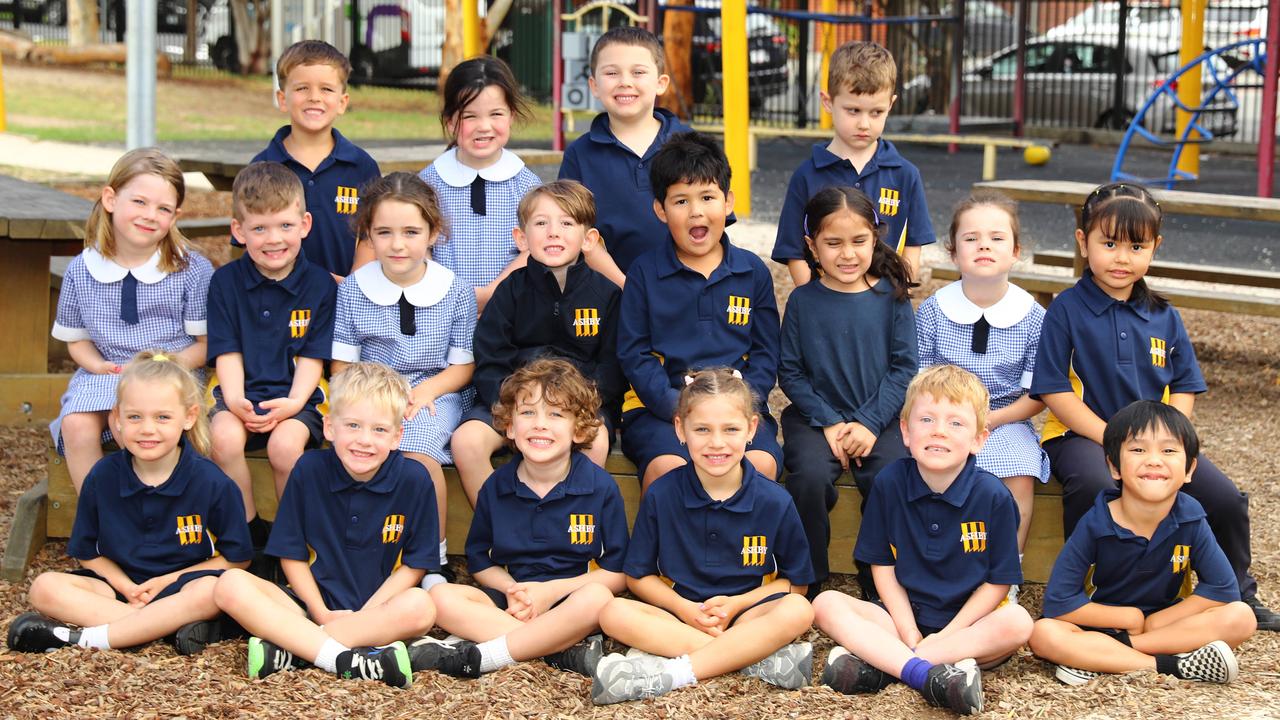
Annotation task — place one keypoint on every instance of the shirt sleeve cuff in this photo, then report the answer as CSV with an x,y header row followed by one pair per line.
x,y
195,328
1026,380
343,352
458,356
69,334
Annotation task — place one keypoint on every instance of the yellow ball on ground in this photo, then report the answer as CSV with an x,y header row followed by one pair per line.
x,y
1036,155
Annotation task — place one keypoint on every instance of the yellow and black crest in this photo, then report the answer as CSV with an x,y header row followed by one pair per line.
x,y
190,529
586,322
347,200
755,548
1158,353
973,535
1180,561
582,529
299,321
889,201
392,529
739,310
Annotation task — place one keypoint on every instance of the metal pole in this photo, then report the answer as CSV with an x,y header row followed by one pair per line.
x,y
309,19
802,87
276,20
1020,73
957,73
557,75
1189,89
737,111
140,72
1117,94
1267,140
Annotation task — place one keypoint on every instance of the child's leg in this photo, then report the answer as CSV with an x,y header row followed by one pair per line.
x,y
1181,628
1023,488
599,450
864,629
473,446
286,444
651,443
228,438
1067,644
1081,466
649,628
469,613
764,463
763,449
1228,514
989,640
812,471
437,479
76,599
89,602
82,443
407,614
264,610
162,617
658,467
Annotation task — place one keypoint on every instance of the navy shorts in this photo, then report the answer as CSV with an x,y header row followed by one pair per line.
x,y
308,416
645,437
925,630
483,414
754,605
171,589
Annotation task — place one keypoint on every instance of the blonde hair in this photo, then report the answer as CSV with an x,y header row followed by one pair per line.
x,y
861,68
714,382
373,382
562,386
312,52
159,366
953,384
98,233
265,187
570,195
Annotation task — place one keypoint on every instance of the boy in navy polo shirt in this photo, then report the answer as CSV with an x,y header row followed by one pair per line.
x,y
859,95
555,306
312,77
613,158
941,536
549,534
694,302
270,332
1120,598
356,531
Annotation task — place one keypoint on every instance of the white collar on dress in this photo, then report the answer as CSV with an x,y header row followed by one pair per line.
x,y
1006,313
458,175
426,292
105,270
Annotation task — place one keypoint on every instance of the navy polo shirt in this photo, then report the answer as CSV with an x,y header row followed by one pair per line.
x,y
1131,571
355,534
674,320
943,546
892,183
580,525
195,515
270,323
333,194
1111,353
706,547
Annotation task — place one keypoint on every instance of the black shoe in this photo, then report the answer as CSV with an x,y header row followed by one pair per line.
x,y
955,686
33,632
266,658
192,638
388,664
1267,618
581,658
460,658
447,572
849,674
259,532
815,589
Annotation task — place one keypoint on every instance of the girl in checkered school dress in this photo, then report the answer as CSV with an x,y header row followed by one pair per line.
x,y
479,183
991,328
412,314
137,285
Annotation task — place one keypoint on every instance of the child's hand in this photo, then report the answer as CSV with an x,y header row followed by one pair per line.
x,y
911,637
422,398
131,593
279,410
721,607
520,604
326,616
147,591
834,434
106,367
858,441
692,614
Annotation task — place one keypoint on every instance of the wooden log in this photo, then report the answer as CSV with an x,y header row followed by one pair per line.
x,y
15,45
115,53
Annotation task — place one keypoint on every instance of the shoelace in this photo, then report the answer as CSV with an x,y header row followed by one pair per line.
x,y
368,668
281,660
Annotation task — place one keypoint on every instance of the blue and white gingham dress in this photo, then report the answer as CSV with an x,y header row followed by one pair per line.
x,y
367,327
944,331
172,310
478,247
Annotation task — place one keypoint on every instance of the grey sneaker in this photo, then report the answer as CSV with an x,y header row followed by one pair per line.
x,y
789,667
955,686
618,678
849,674
1074,676
581,658
1212,663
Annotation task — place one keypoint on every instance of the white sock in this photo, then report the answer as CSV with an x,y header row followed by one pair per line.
x,y
681,671
431,580
94,637
494,654
327,657
444,552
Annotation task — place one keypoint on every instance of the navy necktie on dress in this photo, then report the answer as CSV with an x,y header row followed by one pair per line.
x,y
981,330
407,325
129,299
477,195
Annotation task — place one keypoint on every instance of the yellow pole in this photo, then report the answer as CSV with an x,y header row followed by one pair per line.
x,y
737,113
471,29
2,122
1189,89
828,31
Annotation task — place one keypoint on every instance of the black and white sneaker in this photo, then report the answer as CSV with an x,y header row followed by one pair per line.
x,y
267,658
1073,676
460,658
194,637
33,632
581,658
955,686
1213,663
388,664
849,674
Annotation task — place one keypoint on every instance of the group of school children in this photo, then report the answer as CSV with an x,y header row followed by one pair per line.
x,y
471,307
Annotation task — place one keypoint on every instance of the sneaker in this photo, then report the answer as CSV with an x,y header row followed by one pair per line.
x,y
33,632
192,638
1213,663
1073,676
581,658
618,678
388,664
1267,618
955,686
267,658
849,674
459,659
789,667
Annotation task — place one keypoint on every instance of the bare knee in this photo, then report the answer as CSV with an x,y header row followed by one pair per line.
x,y
199,596
593,596
227,436
45,589
415,612
284,449
1238,623
614,614
229,593
660,466
828,603
1015,623
1046,635
793,613
764,463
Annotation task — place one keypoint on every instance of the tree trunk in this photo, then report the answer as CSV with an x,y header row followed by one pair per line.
x,y
677,37
82,22
451,53
253,41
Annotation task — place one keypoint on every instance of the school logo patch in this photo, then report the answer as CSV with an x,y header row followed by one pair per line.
x,y
586,322
392,529
755,548
890,199
582,529
299,321
973,535
1181,559
1158,352
739,310
190,529
346,201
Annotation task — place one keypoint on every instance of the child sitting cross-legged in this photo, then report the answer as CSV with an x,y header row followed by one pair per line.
x,y
1120,597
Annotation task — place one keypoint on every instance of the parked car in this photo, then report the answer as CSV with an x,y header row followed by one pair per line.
x,y
171,15
1101,20
987,27
767,54
399,39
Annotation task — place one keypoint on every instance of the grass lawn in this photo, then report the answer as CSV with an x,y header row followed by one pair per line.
x,y
78,105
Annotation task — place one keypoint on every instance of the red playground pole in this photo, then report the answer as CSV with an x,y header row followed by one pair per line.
x,y
557,76
1267,128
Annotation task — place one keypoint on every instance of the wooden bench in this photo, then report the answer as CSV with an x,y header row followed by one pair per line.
x,y
1177,271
